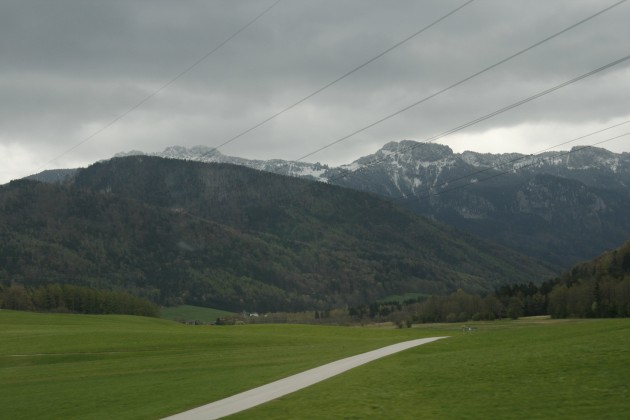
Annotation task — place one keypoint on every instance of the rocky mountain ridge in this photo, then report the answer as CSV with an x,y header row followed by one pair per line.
x,y
561,206
409,154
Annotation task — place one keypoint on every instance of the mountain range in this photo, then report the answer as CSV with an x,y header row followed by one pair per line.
x,y
561,207
235,238
196,226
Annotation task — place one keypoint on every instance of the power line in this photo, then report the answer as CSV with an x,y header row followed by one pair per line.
x,y
164,86
492,114
373,162
498,63
359,67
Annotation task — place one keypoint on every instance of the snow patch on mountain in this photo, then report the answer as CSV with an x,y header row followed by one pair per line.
x,y
409,167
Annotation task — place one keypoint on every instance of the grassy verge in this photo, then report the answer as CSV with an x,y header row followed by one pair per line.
x,y
510,369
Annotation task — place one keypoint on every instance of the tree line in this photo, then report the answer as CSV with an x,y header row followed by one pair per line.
x,y
74,299
586,299
596,289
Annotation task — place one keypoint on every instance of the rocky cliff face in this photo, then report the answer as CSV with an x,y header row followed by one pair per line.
x,y
560,206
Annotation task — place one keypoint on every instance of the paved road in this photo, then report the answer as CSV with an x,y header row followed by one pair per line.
x,y
265,393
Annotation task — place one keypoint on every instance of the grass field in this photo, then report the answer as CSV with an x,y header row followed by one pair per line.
x,y
71,366
105,367
527,369
192,313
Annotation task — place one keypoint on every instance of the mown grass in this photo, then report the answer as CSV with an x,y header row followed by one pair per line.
x,y
510,369
103,367
71,366
192,313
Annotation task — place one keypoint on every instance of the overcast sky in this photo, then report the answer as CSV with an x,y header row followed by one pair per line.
x,y
70,68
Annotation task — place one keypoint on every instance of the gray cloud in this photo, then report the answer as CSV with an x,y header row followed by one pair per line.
x,y
69,68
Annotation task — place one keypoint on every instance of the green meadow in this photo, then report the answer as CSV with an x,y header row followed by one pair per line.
x,y
104,367
526,369
97,367
192,313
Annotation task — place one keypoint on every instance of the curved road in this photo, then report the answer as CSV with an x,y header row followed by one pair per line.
x,y
277,389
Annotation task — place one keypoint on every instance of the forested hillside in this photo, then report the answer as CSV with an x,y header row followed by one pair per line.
x,y
541,205
54,297
599,288
595,289
235,238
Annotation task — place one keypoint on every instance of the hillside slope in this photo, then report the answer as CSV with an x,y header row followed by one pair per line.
x,y
598,288
543,205
235,238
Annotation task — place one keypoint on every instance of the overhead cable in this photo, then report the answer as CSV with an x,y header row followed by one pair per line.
x,y
161,88
326,86
495,113
439,92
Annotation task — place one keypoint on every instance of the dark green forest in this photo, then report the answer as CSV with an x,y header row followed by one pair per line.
x,y
600,288
75,299
233,238
594,289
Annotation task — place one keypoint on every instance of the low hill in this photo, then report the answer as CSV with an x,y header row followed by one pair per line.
x,y
613,265
234,238
598,288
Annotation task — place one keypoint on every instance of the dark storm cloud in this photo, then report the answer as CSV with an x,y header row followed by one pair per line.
x,y
68,68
